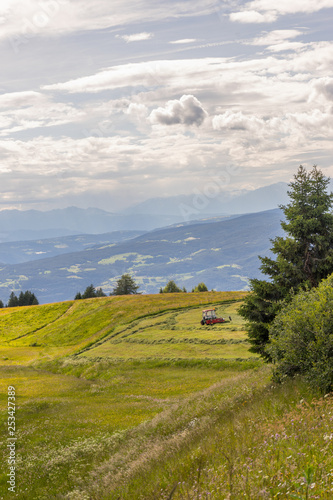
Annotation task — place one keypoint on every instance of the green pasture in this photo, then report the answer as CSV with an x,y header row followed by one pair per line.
x,y
126,397
178,335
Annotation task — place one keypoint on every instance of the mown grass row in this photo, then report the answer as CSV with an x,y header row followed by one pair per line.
x,y
74,325
176,334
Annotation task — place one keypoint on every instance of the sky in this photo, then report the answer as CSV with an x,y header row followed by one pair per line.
x,y
108,103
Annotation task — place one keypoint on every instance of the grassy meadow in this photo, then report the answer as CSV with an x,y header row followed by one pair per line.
x,y
132,398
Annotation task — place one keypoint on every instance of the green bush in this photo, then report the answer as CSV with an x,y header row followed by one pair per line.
x,y
301,337
201,287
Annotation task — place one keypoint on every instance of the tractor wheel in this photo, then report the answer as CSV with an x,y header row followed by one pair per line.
x,y
202,322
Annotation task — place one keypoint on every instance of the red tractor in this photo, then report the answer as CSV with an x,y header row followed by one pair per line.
x,y
209,317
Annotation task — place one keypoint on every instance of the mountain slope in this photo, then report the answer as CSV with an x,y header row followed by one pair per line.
x,y
17,225
24,251
223,254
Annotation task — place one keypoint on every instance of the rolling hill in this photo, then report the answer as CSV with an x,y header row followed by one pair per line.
x,y
223,254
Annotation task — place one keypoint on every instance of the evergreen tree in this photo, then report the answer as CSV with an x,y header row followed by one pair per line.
x,y
125,286
89,293
1,304
304,256
13,300
22,299
171,287
26,298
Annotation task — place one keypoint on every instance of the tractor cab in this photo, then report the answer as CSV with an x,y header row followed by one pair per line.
x,y
209,314
209,317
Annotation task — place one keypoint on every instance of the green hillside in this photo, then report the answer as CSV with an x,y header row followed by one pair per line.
x,y
129,397
46,331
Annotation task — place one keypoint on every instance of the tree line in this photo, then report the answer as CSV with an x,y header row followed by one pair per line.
x,y
290,315
127,286
26,298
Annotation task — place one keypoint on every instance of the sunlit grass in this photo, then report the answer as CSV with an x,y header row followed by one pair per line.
x,y
167,350
128,397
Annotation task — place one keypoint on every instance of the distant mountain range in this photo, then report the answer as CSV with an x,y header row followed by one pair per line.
x,y
199,205
222,253
16,225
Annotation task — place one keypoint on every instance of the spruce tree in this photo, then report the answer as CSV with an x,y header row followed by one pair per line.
x,y
125,286
304,256
13,300
89,293
171,287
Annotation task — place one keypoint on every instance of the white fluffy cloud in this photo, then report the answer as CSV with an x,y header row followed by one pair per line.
x,y
253,16
187,111
267,11
323,87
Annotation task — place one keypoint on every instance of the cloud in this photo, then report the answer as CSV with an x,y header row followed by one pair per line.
x,y
268,11
237,121
278,40
276,37
187,111
30,110
22,19
287,124
184,41
148,74
19,99
290,7
136,37
253,16
322,87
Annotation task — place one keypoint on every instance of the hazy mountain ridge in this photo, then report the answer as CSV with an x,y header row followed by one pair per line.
x,y
257,200
16,225
223,254
16,252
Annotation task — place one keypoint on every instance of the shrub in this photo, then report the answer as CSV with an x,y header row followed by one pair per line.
x,y
301,337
